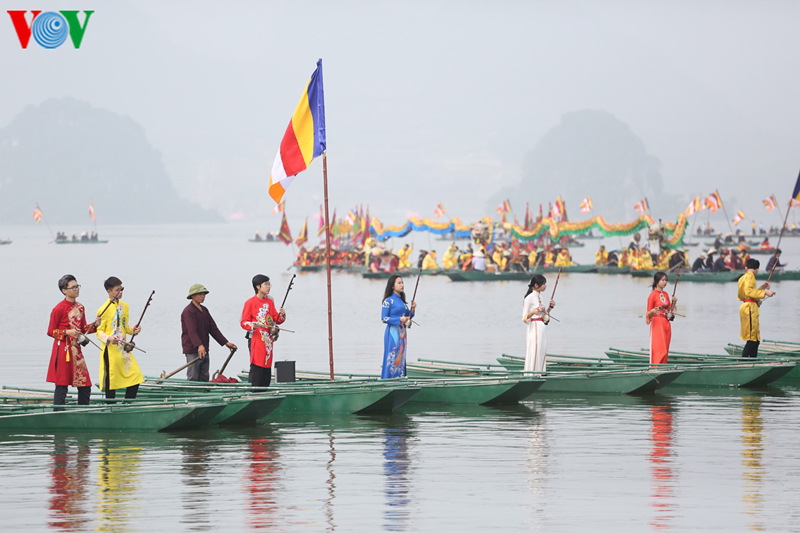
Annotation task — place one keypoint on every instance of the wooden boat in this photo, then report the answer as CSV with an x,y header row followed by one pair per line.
x,y
5,242
68,241
480,275
309,268
435,390
769,350
402,272
699,277
613,270
734,244
761,251
306,398
117,417
701,370
264,240
786,275
615,381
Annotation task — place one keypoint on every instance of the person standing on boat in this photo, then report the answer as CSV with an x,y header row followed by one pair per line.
x,y
67,366
196,326
533,314
118,367
776,261
403,254
751,297
259,316
396,314
660,328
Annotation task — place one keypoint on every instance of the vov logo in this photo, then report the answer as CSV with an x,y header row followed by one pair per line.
x,y
50,29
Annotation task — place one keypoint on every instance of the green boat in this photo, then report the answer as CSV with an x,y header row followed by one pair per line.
x,y
5,242
769,350
614,381
480,275
786,275
702,370
122,417
80,242
406,272
309,268
306,398
699,277
613,270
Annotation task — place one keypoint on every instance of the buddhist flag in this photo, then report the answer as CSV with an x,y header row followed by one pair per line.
x,y
794,203
321,228
303,237
439,211
37,214
91,211
714,202
796,192
694,206
278,208
304,139
586,205
770,203
738,218
284,234
642,206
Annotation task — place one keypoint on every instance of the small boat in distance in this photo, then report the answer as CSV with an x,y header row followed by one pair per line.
x,y
85,238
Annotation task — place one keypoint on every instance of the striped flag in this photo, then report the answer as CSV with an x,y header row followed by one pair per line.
x,y
321,228
796,192
37,214
738,218
303,237
794,203
439,211
304,139
695,206
586,205
278,208
91,210
284,234
642,206
504,207
770,203
714,202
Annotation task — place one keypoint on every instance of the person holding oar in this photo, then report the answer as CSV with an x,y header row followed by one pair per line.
x,y
751,297
197,325
397,315
658,307
534,314
260,316
67,327
118,367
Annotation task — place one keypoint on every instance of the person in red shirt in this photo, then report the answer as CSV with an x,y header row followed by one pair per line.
x,y
660,328
67,365
259,315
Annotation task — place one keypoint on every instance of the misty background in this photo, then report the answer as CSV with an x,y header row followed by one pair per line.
x,y
174,111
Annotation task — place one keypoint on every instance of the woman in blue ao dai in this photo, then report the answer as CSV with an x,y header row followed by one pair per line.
x,y
396,314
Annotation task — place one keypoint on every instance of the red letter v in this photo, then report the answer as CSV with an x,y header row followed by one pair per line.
x,y
21,25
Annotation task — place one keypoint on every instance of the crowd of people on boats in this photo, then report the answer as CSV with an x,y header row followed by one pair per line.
x,y
267,237
115,333
84,237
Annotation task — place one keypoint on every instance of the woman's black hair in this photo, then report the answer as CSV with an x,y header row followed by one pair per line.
x,y
536,281
64,282
112,282
258,280
390,288
658,276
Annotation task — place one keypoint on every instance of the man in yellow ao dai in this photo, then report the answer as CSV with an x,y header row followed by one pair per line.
x,y
118,368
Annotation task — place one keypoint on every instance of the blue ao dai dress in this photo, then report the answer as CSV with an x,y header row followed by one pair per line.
x,y
394,339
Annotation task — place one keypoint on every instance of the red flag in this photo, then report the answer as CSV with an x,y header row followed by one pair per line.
x,y
285,235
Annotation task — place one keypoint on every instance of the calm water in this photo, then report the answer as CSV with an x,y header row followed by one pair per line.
x,y
679,460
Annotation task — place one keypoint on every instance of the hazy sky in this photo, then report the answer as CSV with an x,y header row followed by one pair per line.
x,y
431,101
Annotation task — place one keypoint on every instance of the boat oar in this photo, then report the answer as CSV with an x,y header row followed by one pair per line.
x,y
219,372
414,297
164,374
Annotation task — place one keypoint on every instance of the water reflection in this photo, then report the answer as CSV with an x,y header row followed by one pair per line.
x,y
663,497
331,482
195,464
69,479
752,451
118,486
536,465
396,471
262,482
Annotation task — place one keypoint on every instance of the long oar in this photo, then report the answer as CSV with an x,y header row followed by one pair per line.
x,y
219,372
414,297
164,374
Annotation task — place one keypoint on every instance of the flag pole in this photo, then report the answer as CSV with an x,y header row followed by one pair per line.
x,y
328,258
726,214
777,246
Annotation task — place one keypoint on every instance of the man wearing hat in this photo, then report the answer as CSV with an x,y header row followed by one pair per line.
x,y
699,264
196,326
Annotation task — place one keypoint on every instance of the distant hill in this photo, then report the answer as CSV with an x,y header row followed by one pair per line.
x,y
63,153
591,153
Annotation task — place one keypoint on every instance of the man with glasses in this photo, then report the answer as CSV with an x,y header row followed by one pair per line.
x,y
67,324
118,367
259,315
